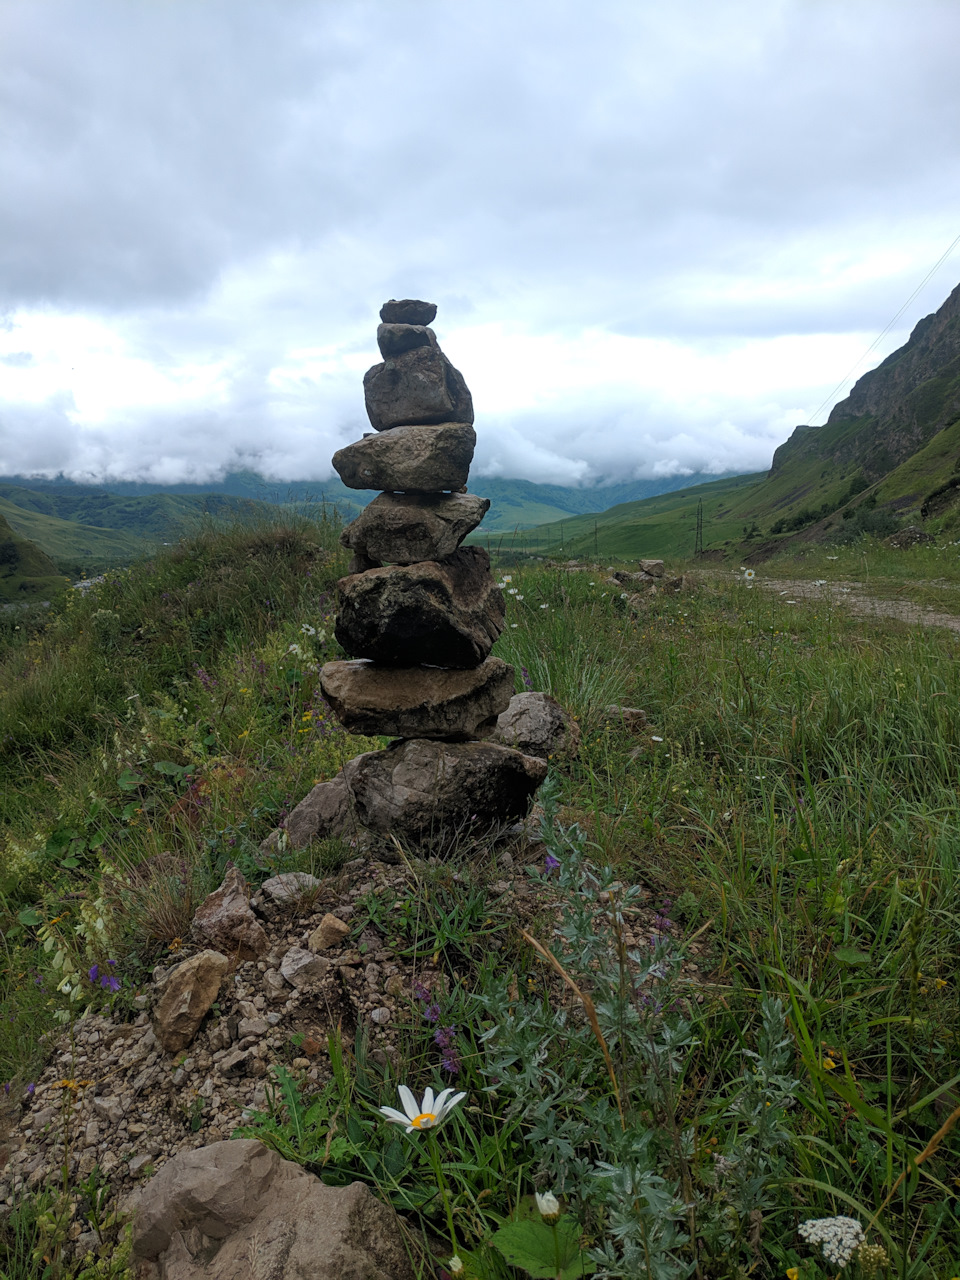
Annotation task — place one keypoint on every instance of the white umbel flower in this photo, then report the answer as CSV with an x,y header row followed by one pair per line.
x,y
838,1238
422,1115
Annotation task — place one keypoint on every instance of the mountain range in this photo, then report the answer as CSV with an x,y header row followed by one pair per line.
x,y
888,454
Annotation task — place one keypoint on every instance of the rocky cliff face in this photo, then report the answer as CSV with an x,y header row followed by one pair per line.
x,y
895,409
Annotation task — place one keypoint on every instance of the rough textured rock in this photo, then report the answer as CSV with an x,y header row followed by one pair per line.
x,y
323,812
653,567
329,932
422,787
404,528
225,921
416,702
302,968
633,719
418,386
417,459
236,1209
395,339
188,993
445,613
408,311
289,886
911,536
537,725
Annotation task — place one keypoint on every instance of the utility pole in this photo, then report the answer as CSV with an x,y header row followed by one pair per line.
x,y
698,547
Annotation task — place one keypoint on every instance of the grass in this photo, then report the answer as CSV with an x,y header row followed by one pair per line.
x,y
794,800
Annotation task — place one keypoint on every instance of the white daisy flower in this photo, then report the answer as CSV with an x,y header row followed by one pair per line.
x,y
544,606
548,1205
422,1115
749,574
308,630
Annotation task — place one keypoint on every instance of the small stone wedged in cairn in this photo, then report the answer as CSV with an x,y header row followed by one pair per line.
x,y
443,613
395,339
406,528
419,459
418,702
418,386
408,311
422,787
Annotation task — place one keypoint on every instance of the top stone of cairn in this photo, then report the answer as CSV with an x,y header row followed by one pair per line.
x,y
408,311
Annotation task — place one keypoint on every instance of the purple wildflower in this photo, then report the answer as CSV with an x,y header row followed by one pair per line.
x,y
550,863
93,973
30,1089
432,1012
421,992
525,674
110,983
6,1087
445,1040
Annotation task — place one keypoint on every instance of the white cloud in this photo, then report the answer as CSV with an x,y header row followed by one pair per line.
x,y
658,235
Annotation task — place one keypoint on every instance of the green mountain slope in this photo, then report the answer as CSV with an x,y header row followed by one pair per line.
x,y
74,548
26,573
653,527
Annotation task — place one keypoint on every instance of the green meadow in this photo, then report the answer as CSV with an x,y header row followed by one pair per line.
x,y
732,1006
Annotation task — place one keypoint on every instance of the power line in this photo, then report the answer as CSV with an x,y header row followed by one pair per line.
x,y
876,342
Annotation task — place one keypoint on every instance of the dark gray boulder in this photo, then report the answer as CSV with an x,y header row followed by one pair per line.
x,y
408,311
421,788
445,613
395,339
417,387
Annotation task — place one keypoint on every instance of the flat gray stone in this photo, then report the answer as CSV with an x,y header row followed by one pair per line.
x,y
408,311
405,528
419,459
418,702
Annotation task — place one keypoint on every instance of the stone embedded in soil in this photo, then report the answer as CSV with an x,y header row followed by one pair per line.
x,y
404,528
323,812
414,459
303,968
418,702
445,613
418,386
224,920
395,339
408,311
537,725
236,1209
329,933
423,787
188,993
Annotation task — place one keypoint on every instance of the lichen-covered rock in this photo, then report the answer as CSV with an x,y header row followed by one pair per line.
x,y
414,459
447,613
323,812
423,787
406,528
417,702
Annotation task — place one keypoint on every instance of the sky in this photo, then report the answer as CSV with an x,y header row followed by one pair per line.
x,y
659,235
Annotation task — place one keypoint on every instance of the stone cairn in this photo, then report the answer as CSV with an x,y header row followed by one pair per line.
x,y
418,612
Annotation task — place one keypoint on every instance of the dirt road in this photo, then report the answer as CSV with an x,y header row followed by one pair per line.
x,y
854,596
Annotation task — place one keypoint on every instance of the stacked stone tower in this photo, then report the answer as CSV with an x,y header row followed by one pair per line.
x,y
419,612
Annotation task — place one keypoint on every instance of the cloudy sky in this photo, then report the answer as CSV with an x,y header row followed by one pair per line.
x,y
658,234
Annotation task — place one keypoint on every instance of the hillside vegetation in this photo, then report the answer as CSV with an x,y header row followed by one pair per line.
x,y
789,809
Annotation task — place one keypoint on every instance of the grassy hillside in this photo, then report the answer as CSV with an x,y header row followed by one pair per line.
x,y
26,573
660,526
776,989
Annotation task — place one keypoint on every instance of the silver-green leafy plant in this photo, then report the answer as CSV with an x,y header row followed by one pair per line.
x,y
597,1083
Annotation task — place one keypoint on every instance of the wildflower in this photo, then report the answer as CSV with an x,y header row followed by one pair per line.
x,y
295,649
829,1064
30,1089
654,738
793,1273
749,575
871,1258
544,606
455,1266
511,591
550,863
308,630
838,1238
508,577
514,625
426,1115
548,1205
